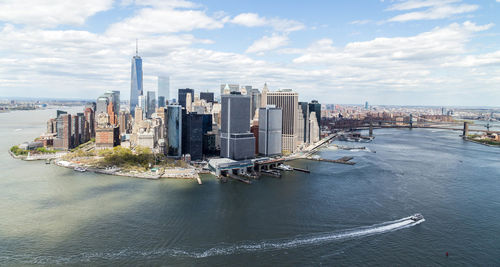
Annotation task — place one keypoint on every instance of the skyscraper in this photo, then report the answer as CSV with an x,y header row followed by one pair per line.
x,y
287,100
315,107
192,135
255,95
174,131
161,102
63,126
207,96
163,88
229,88
182,96
135,80
237,142
270,123
150,104
305,120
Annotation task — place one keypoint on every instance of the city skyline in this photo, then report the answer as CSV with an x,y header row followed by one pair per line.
x,y
388,52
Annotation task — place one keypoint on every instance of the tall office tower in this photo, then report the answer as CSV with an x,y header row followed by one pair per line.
x,y
237,142
366,105
305,120
192,135
75,131
315,132
135,80
182,96
263,97
174,131
115,96
63,138
270,123
288,101
51,126
207,96
161,102
109,103
124,122
255,95
113,106
141,102
102,104
163,88
90,119
315,107
300,126
189,103
150,104
81,128
139,115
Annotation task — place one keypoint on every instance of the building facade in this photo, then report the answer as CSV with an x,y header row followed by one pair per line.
x,y
136,83
174,131
315,107
270,123
182,96
287,100
237,142
207,96
192,135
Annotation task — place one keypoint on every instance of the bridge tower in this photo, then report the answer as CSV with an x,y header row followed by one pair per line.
x,y
411,121
466,129
371,128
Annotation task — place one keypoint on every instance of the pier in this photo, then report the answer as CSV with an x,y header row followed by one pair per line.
x,y
301,170
343,160
238,178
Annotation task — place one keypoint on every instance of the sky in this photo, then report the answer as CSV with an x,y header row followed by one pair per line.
x,y
400,52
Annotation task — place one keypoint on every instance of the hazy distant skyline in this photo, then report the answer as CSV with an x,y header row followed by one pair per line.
x,y
408,52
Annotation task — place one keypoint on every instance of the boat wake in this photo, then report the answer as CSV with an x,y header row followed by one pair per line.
x,y
222,249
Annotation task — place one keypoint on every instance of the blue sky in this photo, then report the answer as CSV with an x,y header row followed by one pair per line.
x,y
408,52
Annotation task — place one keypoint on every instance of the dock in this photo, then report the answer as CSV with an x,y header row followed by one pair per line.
x,y
198,179
343,160
276,174
238,178
301,170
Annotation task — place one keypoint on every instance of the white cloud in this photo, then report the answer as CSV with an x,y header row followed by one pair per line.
x,y
164,20
254,20
50,13
488,59
268,43
432,9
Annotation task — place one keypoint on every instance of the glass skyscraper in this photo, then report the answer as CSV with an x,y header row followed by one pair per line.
x,y
163,88
135,82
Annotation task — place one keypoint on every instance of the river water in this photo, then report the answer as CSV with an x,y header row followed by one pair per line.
x,y
337,215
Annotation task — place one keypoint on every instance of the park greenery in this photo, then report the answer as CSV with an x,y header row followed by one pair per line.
x,y
18,151
139,159
142,158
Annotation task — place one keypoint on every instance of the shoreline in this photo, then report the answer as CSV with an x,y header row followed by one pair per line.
x,y
479,142
173,173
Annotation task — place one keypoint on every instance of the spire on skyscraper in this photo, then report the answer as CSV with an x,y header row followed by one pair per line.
x,y
136,47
